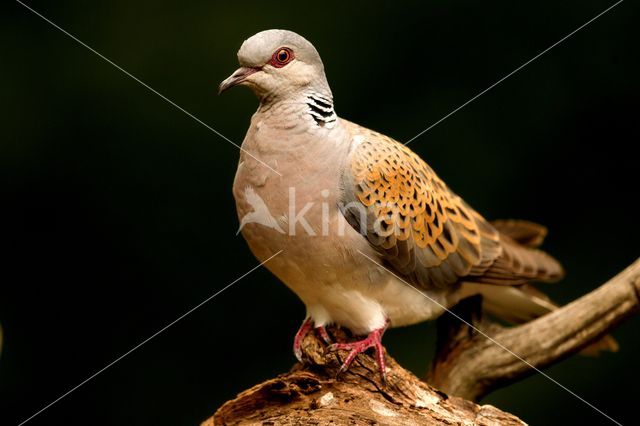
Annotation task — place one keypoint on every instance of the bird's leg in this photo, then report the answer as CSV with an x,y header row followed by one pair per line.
x,y
373,340
300,335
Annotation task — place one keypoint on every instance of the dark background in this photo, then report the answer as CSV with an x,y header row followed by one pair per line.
x,y
117,214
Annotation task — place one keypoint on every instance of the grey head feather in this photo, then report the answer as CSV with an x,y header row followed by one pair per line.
x,y
257,49
305,73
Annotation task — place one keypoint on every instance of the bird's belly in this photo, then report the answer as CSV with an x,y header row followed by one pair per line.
x,y
328,264
405,304
341,285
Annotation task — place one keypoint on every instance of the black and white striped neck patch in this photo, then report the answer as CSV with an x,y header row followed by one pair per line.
x,y
321,109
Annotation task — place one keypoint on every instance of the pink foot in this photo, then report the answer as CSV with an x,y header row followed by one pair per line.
x,y
373,340
300,335
304,329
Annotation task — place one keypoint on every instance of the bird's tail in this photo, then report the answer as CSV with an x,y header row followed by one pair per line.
x,y
523,303
518,305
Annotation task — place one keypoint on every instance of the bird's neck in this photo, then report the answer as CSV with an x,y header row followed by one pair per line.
x,y
313,105
320,107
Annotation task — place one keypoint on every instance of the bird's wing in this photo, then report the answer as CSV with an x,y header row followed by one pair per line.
x,y
421,228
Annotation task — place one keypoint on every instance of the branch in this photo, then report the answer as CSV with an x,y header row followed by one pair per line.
x,y
469,365
310,395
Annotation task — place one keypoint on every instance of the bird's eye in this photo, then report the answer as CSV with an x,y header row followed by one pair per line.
x,y
281,57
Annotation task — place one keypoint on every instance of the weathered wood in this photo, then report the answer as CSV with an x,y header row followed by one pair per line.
x,y
469,365
310,395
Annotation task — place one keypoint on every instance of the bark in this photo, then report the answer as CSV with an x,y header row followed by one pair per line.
x,y
311,395
470,362
470,365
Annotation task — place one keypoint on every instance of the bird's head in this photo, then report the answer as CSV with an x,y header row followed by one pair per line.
x,y
277,64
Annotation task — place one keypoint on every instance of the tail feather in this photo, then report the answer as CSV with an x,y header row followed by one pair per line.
x,y
505,288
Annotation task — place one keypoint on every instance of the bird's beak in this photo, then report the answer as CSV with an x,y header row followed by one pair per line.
x,y
236,78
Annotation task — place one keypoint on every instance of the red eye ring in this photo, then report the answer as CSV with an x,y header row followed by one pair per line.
x,y
281,57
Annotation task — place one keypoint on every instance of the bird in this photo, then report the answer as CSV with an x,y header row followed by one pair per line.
x,y
373,237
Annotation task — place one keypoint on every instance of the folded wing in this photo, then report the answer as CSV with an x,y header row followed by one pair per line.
x,y
423,230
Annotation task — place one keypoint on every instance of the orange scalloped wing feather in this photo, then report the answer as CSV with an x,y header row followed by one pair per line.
x,y
423,230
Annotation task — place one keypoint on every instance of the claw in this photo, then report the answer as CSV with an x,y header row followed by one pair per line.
x,y
373,340
322,331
